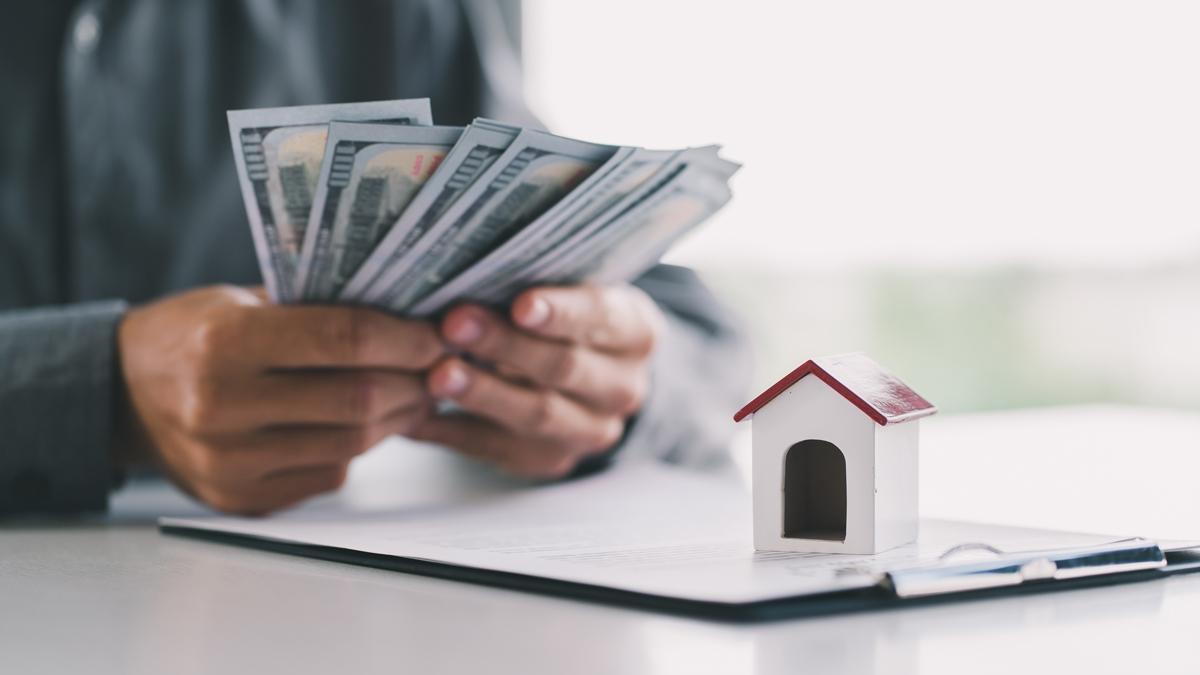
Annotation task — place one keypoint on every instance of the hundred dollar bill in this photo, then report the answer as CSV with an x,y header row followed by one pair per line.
x,y
369,175
700,170
635,240
534,172
278,152
591,221
478,146
633,167
652,230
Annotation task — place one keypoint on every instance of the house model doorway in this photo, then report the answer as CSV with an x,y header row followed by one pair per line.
x,y
814,491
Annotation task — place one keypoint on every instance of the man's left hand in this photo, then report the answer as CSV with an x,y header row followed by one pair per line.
x,y
569,366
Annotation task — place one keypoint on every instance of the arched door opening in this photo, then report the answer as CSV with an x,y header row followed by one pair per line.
x,y
814,491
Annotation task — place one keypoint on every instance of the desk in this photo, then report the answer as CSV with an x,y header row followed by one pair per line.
x,y
114,596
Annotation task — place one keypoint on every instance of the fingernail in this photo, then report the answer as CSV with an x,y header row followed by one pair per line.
x,y
465,330
536,313
454,381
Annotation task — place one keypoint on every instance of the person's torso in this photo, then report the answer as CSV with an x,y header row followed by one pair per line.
x,y
116,174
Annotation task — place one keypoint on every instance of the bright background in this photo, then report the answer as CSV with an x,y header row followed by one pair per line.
x,y
1000,201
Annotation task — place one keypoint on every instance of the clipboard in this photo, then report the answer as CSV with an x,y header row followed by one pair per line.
x,y
1136,561
674,541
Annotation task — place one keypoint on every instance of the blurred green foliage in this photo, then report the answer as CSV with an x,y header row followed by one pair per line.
x,y
989,339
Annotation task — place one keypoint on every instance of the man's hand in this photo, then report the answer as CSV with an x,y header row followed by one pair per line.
x,y
570,365
252,407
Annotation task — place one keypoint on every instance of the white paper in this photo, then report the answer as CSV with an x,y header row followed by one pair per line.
x,y
641,527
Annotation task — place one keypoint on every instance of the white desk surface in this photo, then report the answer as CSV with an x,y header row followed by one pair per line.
x,y
115,596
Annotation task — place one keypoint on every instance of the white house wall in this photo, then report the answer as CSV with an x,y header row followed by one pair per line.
x,y
896,484
809,409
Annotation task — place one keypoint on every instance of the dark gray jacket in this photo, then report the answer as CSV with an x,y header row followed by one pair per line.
x,y
117,186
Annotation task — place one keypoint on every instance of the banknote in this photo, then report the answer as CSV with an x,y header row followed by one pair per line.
x,y
278,152
644,183
534,173
633,167
474,152
632,241
698,177
370,204
370,174
648,232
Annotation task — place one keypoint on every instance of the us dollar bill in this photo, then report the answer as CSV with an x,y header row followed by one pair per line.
x,y
505,265
686,170
370,174
651,230
476,149
536,171
634,241
661,173
278,152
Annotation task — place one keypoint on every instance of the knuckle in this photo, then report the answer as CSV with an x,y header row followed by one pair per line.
x,y
612,431
358,441
564,365
199,409
366,397
226,502
337,477
327,481
348,335
209,343
239,297
409,421
600,302
645,344
532,469
555,465
605,435
629,398
248,508
213,498
597,296
204,464
219,464
540,420
427,346
414,398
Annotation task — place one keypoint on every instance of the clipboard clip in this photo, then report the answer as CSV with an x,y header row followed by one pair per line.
x,y
1013,569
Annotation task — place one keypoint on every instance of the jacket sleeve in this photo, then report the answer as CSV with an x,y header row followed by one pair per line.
x,y
58,383
699,376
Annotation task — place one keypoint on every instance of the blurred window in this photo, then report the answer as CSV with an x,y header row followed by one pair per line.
x,y
999,201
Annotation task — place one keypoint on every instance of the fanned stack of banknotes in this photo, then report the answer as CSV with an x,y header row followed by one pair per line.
x,y
369,203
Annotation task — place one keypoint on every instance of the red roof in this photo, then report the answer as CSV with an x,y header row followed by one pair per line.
x,y
875,391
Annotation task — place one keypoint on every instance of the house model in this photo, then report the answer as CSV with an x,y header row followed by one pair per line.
x,y
835,458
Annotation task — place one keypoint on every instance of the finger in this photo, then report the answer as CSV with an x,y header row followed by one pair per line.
x,y
612,318
535,413
598,379
303,397
281,490
490,442
241,460
319,336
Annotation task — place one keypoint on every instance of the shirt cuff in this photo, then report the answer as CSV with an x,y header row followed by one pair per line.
x,y
58,385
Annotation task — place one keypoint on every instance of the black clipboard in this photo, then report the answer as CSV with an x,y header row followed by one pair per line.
x,y
1125,561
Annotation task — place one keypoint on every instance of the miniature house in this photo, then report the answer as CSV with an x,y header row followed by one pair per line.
x,y
835,458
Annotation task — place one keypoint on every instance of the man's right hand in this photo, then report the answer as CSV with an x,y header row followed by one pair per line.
x,y
252,407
